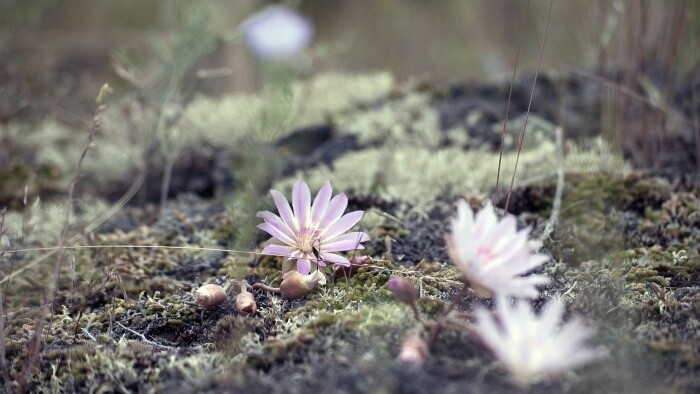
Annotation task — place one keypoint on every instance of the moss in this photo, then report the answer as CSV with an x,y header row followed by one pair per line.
x,y
538,131
222,122
623,192
365,321
332,94
389,171
431,307
230,330
600,212
673,347
407,121
56,148
233,267
673,226
649,276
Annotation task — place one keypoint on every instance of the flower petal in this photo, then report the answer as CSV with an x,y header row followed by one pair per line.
x,y
349,241
298,254
485,219
487,329
276,222
524,287
527,264
278,250
303,266
505,228
301,201
334,211
285,211
531,345
277,233
318,208
335,259
342,225
465,215
551,315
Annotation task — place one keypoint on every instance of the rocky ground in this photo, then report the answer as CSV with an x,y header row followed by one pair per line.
x,y
624,253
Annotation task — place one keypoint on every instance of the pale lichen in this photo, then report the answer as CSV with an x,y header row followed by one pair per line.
x,y
418,174
222,122
409,121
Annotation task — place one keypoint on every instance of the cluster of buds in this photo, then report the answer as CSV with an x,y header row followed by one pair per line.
x,y
211,295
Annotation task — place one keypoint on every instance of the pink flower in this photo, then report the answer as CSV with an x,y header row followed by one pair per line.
x,y
493,255
531,346
312,232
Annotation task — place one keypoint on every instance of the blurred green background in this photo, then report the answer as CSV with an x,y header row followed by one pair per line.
x,y
444,40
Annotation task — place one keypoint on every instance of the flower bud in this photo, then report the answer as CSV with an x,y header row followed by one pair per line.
x,y
403,290
245,303
210,295
413,350
295,285
360,260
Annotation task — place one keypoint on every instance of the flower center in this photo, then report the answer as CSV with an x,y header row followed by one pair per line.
x,y
486,253
308,239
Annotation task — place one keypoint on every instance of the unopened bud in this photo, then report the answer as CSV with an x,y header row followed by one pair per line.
x,y
295,285
403,290
210,295
413,349
245,302
360,260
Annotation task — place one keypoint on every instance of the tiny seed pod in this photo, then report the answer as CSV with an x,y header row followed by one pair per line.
x,y
210,295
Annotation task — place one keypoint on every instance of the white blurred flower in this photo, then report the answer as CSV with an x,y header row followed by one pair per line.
x,y
493,255
277,33
533,346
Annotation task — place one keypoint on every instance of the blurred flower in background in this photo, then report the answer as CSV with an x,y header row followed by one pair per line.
x,y
532,346
493,254
277,33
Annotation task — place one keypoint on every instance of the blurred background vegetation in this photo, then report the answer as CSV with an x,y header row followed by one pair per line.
x,y
445,41
181,68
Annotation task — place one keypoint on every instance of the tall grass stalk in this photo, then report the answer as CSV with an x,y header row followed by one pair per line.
x,y
510,91
4,368
529,105
49,302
